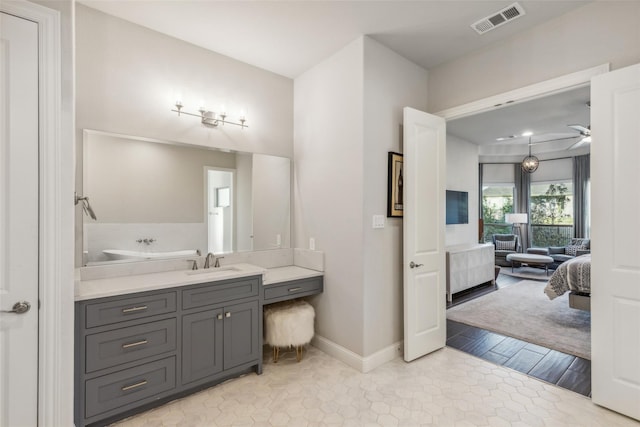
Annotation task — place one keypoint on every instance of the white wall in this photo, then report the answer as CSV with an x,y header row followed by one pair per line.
x,y
599,32
348,116
328,182
128,78
462,175
391,82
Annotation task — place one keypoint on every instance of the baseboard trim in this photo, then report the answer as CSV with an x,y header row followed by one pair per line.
x,y
362,364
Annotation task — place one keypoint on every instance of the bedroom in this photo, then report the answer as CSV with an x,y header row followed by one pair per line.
x,y
555,213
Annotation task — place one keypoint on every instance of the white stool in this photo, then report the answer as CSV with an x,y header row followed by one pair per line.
x,y
288,324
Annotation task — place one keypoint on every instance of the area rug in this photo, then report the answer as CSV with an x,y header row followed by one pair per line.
x,y
526,273
523,311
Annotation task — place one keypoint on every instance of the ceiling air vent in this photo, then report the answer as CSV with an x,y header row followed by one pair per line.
x,y
507,14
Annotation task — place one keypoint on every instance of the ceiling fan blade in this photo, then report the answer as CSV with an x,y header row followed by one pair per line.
x,y
582,129
583,141
555,139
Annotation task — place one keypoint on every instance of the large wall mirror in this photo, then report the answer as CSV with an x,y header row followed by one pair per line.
x,y
158,199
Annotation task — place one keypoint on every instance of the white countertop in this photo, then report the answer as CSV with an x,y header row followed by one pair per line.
x,y
122,285
285,274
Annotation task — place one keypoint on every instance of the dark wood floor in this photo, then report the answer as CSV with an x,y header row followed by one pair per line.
x,y
564,370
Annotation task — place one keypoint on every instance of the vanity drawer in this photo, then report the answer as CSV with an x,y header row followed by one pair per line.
x,y
129,386
292,289
124,345
211,294
121,310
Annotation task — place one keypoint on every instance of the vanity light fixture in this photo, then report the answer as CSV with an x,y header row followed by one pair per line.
x,y
210,118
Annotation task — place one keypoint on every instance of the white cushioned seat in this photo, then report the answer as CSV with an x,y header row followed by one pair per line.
x,y
288,324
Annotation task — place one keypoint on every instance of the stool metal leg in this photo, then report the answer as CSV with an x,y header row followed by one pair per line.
x,y
276,354
299,353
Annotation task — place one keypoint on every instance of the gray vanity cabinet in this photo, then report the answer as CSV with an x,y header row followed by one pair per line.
x,y
126,353
219,339
137,350
201,345
293,289
242,343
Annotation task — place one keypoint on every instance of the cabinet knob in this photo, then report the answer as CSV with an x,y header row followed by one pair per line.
x,y
220,316
227,314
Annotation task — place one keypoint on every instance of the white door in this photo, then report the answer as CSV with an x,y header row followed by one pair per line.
x,y
615,232
18,221
423,233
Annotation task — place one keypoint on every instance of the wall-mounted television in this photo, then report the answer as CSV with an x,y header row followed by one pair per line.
x,y
457,207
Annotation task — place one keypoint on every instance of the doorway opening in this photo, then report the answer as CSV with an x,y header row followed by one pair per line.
x,y
488,338
220,210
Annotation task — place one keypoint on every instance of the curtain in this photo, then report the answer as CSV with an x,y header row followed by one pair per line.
x,y
581,202
521,203
480,212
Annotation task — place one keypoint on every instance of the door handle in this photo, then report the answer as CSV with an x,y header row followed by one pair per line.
x,y
414,265
20,307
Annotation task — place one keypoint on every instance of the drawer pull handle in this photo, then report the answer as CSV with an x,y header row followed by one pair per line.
x,y
135,344
136,385
294,289
134,309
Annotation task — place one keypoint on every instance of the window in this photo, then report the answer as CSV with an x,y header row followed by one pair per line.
x,y
497,200
551,214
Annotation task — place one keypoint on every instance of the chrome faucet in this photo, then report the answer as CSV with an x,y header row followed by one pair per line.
x,y
194,265
207,261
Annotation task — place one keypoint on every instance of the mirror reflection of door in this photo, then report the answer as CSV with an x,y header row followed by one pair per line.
x,y
220,210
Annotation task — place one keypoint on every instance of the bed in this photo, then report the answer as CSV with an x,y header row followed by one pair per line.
x,y
572,276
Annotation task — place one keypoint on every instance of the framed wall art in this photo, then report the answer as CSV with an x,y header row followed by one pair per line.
x,y
394,188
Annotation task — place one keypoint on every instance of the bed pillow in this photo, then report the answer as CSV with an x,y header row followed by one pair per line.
x,y
573,249
584,243
505,245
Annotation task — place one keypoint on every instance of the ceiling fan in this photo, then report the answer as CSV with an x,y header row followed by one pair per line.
x,y
585,133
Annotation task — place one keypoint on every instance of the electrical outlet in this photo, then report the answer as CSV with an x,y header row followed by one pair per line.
x,y
312,244
278,240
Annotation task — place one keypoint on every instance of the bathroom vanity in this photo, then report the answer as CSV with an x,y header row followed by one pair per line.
x,y
146,339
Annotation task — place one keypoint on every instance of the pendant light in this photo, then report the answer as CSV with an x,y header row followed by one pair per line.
x,y
530,163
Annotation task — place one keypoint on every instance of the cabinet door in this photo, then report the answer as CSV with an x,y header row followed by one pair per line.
x,y
201,345
241,334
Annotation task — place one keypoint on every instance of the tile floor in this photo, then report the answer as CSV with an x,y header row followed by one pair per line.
x,y
564,370
445,388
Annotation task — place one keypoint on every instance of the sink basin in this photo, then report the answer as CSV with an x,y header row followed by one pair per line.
x,y
215,272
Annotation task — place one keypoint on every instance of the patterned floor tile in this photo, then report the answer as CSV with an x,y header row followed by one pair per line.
x,y
445,388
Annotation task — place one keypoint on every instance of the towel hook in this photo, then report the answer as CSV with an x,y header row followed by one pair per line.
x,y
86,207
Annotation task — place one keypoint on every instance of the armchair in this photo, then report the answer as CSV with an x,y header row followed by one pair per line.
x,y
505,244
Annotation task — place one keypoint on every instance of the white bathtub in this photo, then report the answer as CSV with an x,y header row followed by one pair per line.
x,y
121,254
